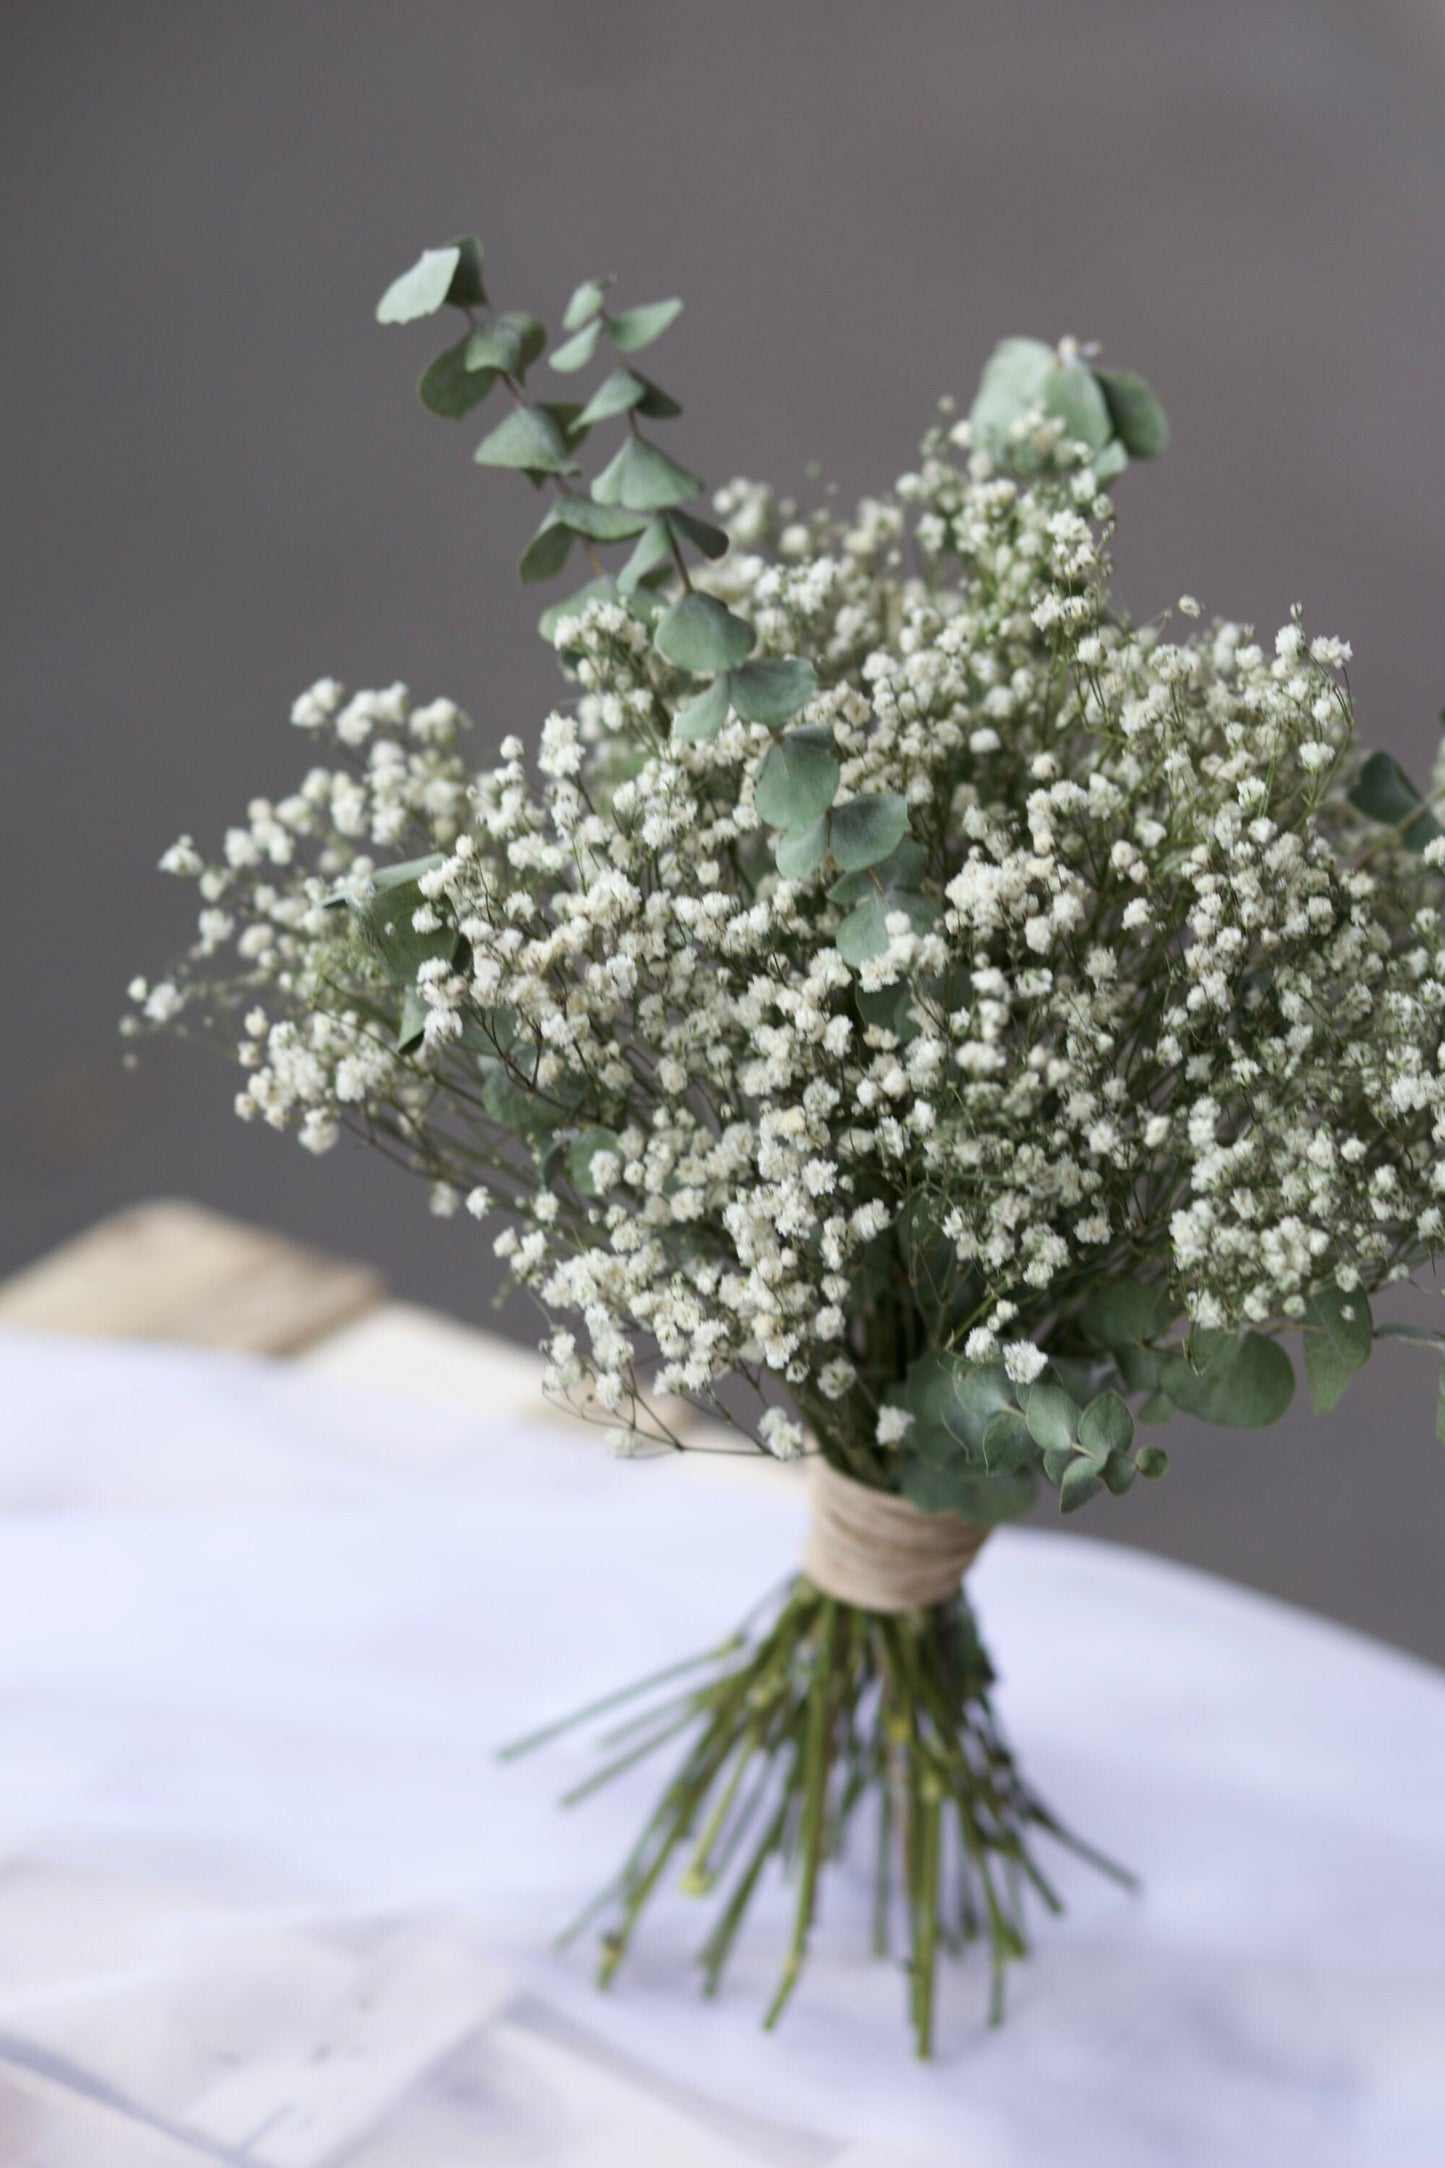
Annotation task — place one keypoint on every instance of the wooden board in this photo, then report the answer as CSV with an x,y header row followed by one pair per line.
x,y
170,1270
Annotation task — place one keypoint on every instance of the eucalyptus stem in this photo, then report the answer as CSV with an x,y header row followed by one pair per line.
x,y
805,1718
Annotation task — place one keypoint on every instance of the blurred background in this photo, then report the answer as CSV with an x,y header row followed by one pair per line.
x,y
220,486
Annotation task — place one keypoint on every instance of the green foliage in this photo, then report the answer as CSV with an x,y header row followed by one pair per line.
x,y
955,1487
704,715
439,275
1386,794
547,551
802,850
867,830
622,392
1124,1313
798,778
1140,422
771,690
632,329
1106,1427
578,350
1242,1381
644,479
1151,1461
509,343
450,386
1111,411
585,303
863,934
701,635
531,438
1338,1339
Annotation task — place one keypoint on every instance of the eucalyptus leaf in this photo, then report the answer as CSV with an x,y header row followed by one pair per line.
x,y
798,778
632,329
411,1023
1072,396
531,438
1106,1427
867,829
1118,1473
1386,794
1125,1311
1244,1381
956,1487
1008,1443
1081,1481
644,479
584,304
864,932
700,634
653,551
1345,1320
625,389
576,352
449,387
1012,382
802,850
704,715
1140,422
1052,1416
1327,1374
602,590
899,870
1151,1461
709,540
546,553
772,689
508,342
599,522
438,275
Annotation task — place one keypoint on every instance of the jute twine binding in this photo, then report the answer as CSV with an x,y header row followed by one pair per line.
x,y
869,1548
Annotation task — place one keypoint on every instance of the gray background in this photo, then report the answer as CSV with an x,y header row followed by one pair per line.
x,y
218,485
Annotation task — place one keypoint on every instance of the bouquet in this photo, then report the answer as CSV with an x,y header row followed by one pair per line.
x,y
898,1006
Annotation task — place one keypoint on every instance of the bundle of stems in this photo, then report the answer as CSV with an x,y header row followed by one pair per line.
x,y
796,1728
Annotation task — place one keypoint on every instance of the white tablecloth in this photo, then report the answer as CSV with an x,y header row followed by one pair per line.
x,y
259,1640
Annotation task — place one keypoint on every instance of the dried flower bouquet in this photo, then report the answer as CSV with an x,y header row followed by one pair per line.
x,y
899,1006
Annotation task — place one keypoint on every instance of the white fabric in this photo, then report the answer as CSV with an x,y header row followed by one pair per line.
x,y
259,1640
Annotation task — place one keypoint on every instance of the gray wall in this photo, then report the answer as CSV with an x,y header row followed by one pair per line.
x,y
219,486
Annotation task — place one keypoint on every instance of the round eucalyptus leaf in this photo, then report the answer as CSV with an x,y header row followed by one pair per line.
x,y
802,850
700,634
1386,794
1011,383
1244,1381
449,386
1081,1481
772,689
1106,1427
1140,422
868,829
798,779
632,329
704,715
1053,1417
1072,396
625,389
1151,1461
530,438
581,1153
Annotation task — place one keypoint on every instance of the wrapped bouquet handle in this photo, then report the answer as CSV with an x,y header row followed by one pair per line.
x,y
876,1550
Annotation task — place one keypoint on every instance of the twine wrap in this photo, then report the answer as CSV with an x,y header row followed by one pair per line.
x,y
875,1550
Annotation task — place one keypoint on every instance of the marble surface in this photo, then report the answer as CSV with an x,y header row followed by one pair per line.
x,y
267,1895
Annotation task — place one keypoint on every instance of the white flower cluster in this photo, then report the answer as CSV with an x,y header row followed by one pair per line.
x,y
1150,998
